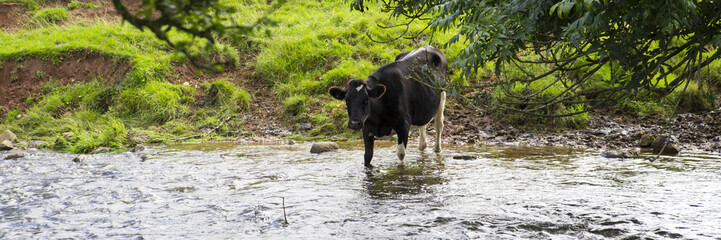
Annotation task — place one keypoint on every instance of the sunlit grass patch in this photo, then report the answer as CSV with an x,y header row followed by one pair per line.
x,y
49,15
155,103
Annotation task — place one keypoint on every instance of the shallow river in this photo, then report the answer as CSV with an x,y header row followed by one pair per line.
x,y
227,190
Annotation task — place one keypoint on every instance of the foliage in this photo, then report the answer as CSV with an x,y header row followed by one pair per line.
x,y
645,41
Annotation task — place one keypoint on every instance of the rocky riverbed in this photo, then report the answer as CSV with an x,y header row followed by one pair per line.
x,y
689,131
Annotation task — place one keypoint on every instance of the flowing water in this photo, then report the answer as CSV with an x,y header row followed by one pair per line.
x,y
240,191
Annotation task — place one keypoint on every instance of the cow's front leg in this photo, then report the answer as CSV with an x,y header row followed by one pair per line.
x,y
368,139
402,132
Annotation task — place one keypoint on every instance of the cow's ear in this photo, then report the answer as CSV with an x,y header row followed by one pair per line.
x,y
377,91
337,93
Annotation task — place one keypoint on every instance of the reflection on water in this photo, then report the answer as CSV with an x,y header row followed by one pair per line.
x,y
413,176
226,190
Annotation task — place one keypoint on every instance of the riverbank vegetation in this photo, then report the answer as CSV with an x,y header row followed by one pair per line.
x,y
145,93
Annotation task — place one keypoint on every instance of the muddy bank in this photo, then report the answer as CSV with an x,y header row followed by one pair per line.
x,y
24,78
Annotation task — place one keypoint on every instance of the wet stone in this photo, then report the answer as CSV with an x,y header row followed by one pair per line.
x,y
100,150
322,147
465,157
616,154
16,155
670,148
645,141
139,148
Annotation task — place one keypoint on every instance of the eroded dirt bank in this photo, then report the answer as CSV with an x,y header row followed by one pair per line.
x,y
24,78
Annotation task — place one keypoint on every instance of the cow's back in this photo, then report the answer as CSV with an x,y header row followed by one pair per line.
x,y
409,84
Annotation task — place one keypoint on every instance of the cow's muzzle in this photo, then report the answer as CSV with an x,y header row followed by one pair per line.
x,y
355,124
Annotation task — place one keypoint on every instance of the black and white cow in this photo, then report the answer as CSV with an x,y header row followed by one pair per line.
x,y
396,97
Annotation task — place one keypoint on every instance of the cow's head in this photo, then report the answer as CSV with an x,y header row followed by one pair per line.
x,y
357,98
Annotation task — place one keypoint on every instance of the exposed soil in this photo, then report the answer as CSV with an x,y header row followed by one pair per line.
x,y
13,17
23,78
10,16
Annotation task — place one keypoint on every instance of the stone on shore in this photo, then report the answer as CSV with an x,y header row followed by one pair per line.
x,y
139,148
658,145
8,135
68,135
322,147
100,150
646,141
6,145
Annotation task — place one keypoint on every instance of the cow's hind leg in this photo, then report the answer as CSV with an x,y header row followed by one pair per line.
x,y
439,121
422,140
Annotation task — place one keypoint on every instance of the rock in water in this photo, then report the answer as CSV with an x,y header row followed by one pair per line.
x,y
16,155
6,145
322,147
465,157
8,135
616,154
670,148
646,141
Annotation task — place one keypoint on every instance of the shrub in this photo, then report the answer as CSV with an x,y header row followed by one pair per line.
x,y
154,103
695,99
83,96
295,105
540,91
226,95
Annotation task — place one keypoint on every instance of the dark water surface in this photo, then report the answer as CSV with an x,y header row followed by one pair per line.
x,y
224,190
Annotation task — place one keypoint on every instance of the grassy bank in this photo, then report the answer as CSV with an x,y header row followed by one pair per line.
x,y
312,46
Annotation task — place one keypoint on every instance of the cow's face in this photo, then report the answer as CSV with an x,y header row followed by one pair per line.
x,y
357,98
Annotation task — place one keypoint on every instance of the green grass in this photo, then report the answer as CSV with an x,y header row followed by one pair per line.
x,y
155,102
99,113
49,15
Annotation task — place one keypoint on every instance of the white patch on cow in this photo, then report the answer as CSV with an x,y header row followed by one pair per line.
x,y
413,53
401,151
359,88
